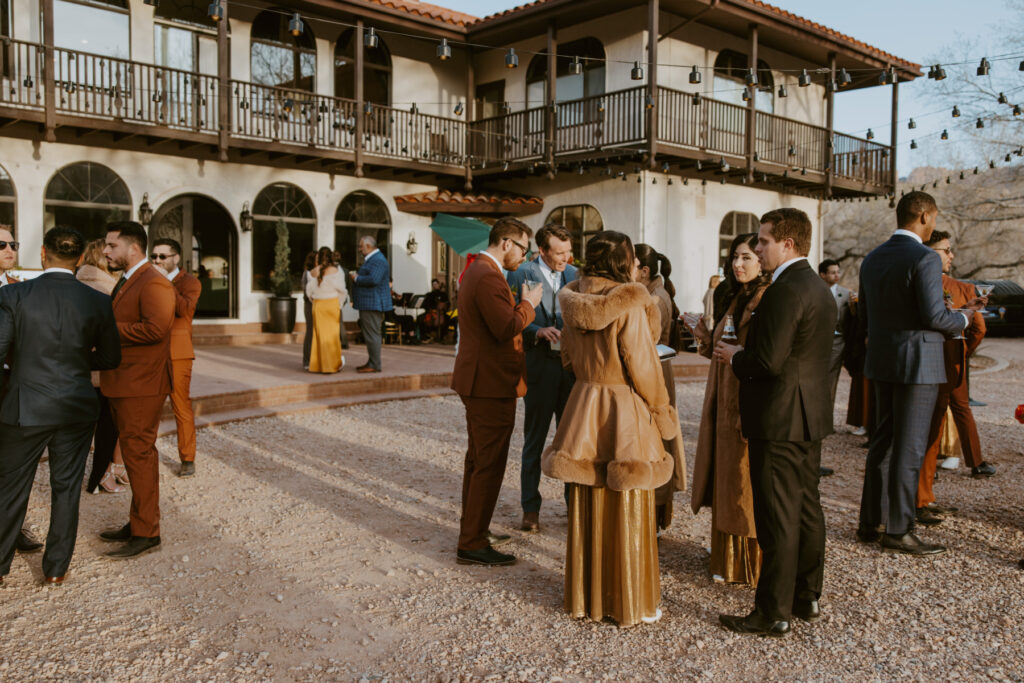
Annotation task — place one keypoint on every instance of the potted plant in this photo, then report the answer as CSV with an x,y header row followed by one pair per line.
x,y
282,303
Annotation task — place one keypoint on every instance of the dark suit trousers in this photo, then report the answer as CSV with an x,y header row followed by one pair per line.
x,y
789,522
307,339
105,443
903,414
20,451
490,422
371,324
547,389
138,421
956,399
836,365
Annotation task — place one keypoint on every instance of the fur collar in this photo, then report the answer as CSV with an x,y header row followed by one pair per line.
x,y
594,303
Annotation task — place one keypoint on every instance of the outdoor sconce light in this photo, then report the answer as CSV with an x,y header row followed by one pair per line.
x,y
245,218
411,244
145,212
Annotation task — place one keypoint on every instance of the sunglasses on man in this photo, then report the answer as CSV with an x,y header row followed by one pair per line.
x,y
160,257
13,245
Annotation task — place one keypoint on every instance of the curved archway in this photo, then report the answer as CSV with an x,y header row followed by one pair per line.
x,y
582,220
8,201
734,223
86,195
209,249
376,70
361,213
279,59
288,203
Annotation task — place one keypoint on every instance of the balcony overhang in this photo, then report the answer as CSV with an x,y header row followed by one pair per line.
x,y
469,204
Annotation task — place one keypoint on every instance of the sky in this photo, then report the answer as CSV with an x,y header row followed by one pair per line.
x,y
917,30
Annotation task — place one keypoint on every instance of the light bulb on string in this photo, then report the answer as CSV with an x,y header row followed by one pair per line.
x,y
637,72
844,78
511,59
945,134
694,75
295,25
911,124
1002,99
370,39
805,78
871,134
983,67
956,112
444,50
751,78
913,144
782,91
979,124
575,66
216,13
940,73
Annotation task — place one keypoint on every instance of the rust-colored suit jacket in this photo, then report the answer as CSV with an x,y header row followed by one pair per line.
x,y
187,289
491,363
144,311
956,351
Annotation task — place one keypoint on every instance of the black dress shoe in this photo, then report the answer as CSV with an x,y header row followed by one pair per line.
x,y
1019,564
488,557
927,517
868,534
755,625
982,470
122,534
137,545
910,544
825,471
498,539
808,610
188,469
942,509
26,542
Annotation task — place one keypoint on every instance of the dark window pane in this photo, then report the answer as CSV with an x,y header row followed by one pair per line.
x,y
7,216
283,200
272,26
346,241
376,70
264,239
90,221
187,11
362,207
6,186
582,220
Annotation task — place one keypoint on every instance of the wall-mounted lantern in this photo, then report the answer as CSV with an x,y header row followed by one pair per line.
x,y
145,211
411,244
245,218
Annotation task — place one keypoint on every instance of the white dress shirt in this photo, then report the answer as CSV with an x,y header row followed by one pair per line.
x,y
131,271
173,274
56,270
554,277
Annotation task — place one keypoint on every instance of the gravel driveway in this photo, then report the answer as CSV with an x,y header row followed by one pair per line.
x,y
320,546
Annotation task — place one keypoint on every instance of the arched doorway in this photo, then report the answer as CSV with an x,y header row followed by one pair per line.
x,y
360,214
86,195
208,241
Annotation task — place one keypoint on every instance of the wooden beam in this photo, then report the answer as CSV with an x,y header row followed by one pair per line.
x,y
223,83
49,66
894,118
752,108
550,122
712,5
470,117
360,115
653,15
830,110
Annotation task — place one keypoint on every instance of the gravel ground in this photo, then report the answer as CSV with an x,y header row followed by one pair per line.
x,y
321,547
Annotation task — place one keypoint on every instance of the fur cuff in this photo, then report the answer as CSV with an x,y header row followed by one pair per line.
x,y
625,475
667,421
562,466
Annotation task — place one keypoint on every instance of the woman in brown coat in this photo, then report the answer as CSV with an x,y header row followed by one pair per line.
x,y
721,471
609,446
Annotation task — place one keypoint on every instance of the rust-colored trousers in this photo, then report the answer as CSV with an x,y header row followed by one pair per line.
x,y
955,398
138,421
490,422
182,404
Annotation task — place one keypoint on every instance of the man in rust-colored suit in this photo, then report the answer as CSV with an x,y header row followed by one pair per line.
x,y
952,394
137,389
489,375
166,255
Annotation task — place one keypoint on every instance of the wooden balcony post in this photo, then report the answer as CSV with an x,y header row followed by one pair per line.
x,y
892,139
360,115
550,122
223,84
830,110
752,108
653,14
49,70
468,148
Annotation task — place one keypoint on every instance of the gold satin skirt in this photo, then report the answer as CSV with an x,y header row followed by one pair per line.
x,y
611,560
949,443
737,559
325,353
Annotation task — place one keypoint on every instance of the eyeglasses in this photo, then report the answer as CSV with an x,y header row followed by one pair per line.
x,y
160,257
13,245
525,249
946,250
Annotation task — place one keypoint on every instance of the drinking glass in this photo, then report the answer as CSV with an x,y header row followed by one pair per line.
x,y
967,312
984,289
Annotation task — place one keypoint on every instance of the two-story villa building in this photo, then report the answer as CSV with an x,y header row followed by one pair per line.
x,y
675,121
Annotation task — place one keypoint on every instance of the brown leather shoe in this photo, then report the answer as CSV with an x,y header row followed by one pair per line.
x,y
366,368
53,580
531,522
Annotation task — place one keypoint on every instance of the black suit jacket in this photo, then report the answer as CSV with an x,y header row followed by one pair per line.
x,y
57,330
784,369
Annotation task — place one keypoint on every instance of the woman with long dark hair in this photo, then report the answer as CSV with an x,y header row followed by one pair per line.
x,y
609,447
653,273
326,289
721,469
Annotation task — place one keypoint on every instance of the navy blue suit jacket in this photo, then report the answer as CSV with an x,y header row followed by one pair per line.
x,y
548,312
372,290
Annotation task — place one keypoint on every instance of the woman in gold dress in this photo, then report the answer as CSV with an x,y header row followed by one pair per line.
x,y
326,289
721,470
609,447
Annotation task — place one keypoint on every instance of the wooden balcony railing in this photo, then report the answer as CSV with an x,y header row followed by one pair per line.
x,y
132,96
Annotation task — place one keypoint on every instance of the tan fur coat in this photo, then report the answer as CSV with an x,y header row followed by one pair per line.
x,y
618,414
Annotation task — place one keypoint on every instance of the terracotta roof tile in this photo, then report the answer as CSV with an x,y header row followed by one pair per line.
x,y
428,11
492,201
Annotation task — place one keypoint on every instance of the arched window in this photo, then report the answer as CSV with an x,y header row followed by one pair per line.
x,y
735,223
184,36
86,196
582,220
280,59
361,213
568,86
376,70
286,202
730,78
99,27
7,200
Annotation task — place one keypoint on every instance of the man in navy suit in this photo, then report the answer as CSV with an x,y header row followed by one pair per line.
x,y
548,383
371,296
907,322
57,330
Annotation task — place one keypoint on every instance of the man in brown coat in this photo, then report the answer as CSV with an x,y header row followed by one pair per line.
x,y
166,255
138,387
489,375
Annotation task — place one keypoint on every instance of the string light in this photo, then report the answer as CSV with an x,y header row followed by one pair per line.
x,y
694,75
979,124
871,134
911,124
459,109
444,50
695,100
956,112
295,26
511,59
636,73
1002,99
844,77
576,66
804,80
751,78
370,39
983,67
945,134
216,12
913,144
782,91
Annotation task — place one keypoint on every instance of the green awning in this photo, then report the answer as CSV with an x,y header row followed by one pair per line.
x,y
464,235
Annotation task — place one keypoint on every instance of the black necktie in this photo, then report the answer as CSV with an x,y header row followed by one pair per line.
x,y
118,286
